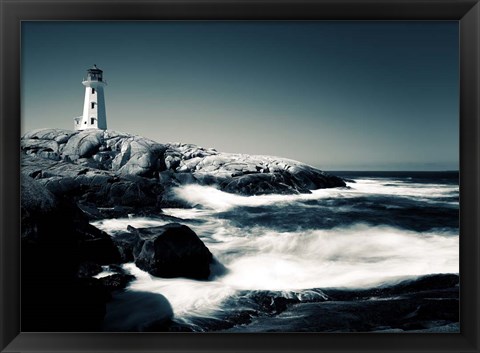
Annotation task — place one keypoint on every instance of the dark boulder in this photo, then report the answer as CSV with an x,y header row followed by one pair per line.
x,y
96,246
125,243
172,250
313,179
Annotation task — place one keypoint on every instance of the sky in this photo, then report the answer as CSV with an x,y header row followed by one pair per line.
x,y
339,95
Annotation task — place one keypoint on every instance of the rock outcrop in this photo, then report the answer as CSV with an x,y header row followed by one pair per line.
x,y
60,252
112,168
428,304
124,154
247,174
172,250
49,220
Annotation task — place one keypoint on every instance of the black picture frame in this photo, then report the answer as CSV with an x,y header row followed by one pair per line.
x,y
467,12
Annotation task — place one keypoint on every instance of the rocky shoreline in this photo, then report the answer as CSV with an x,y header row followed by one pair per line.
x,y
107,169
70,178
62,252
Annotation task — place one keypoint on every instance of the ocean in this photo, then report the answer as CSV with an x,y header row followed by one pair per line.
x,y
275,250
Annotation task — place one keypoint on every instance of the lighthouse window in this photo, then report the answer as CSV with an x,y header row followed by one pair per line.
x,y
93,105
93,90
92,121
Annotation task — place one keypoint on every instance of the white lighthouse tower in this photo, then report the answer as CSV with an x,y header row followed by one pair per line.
x,y
94,116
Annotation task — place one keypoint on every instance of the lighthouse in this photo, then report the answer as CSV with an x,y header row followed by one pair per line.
x,y
94,116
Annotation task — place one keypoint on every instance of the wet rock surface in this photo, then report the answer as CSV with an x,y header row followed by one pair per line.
x,y
410,306
173,250
427,304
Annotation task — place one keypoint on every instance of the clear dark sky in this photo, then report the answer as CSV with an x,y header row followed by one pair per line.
x,y
337,95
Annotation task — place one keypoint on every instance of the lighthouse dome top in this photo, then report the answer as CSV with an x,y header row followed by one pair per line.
x,y
94,69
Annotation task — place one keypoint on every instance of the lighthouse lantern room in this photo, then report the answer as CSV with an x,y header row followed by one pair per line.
x,y
94,115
